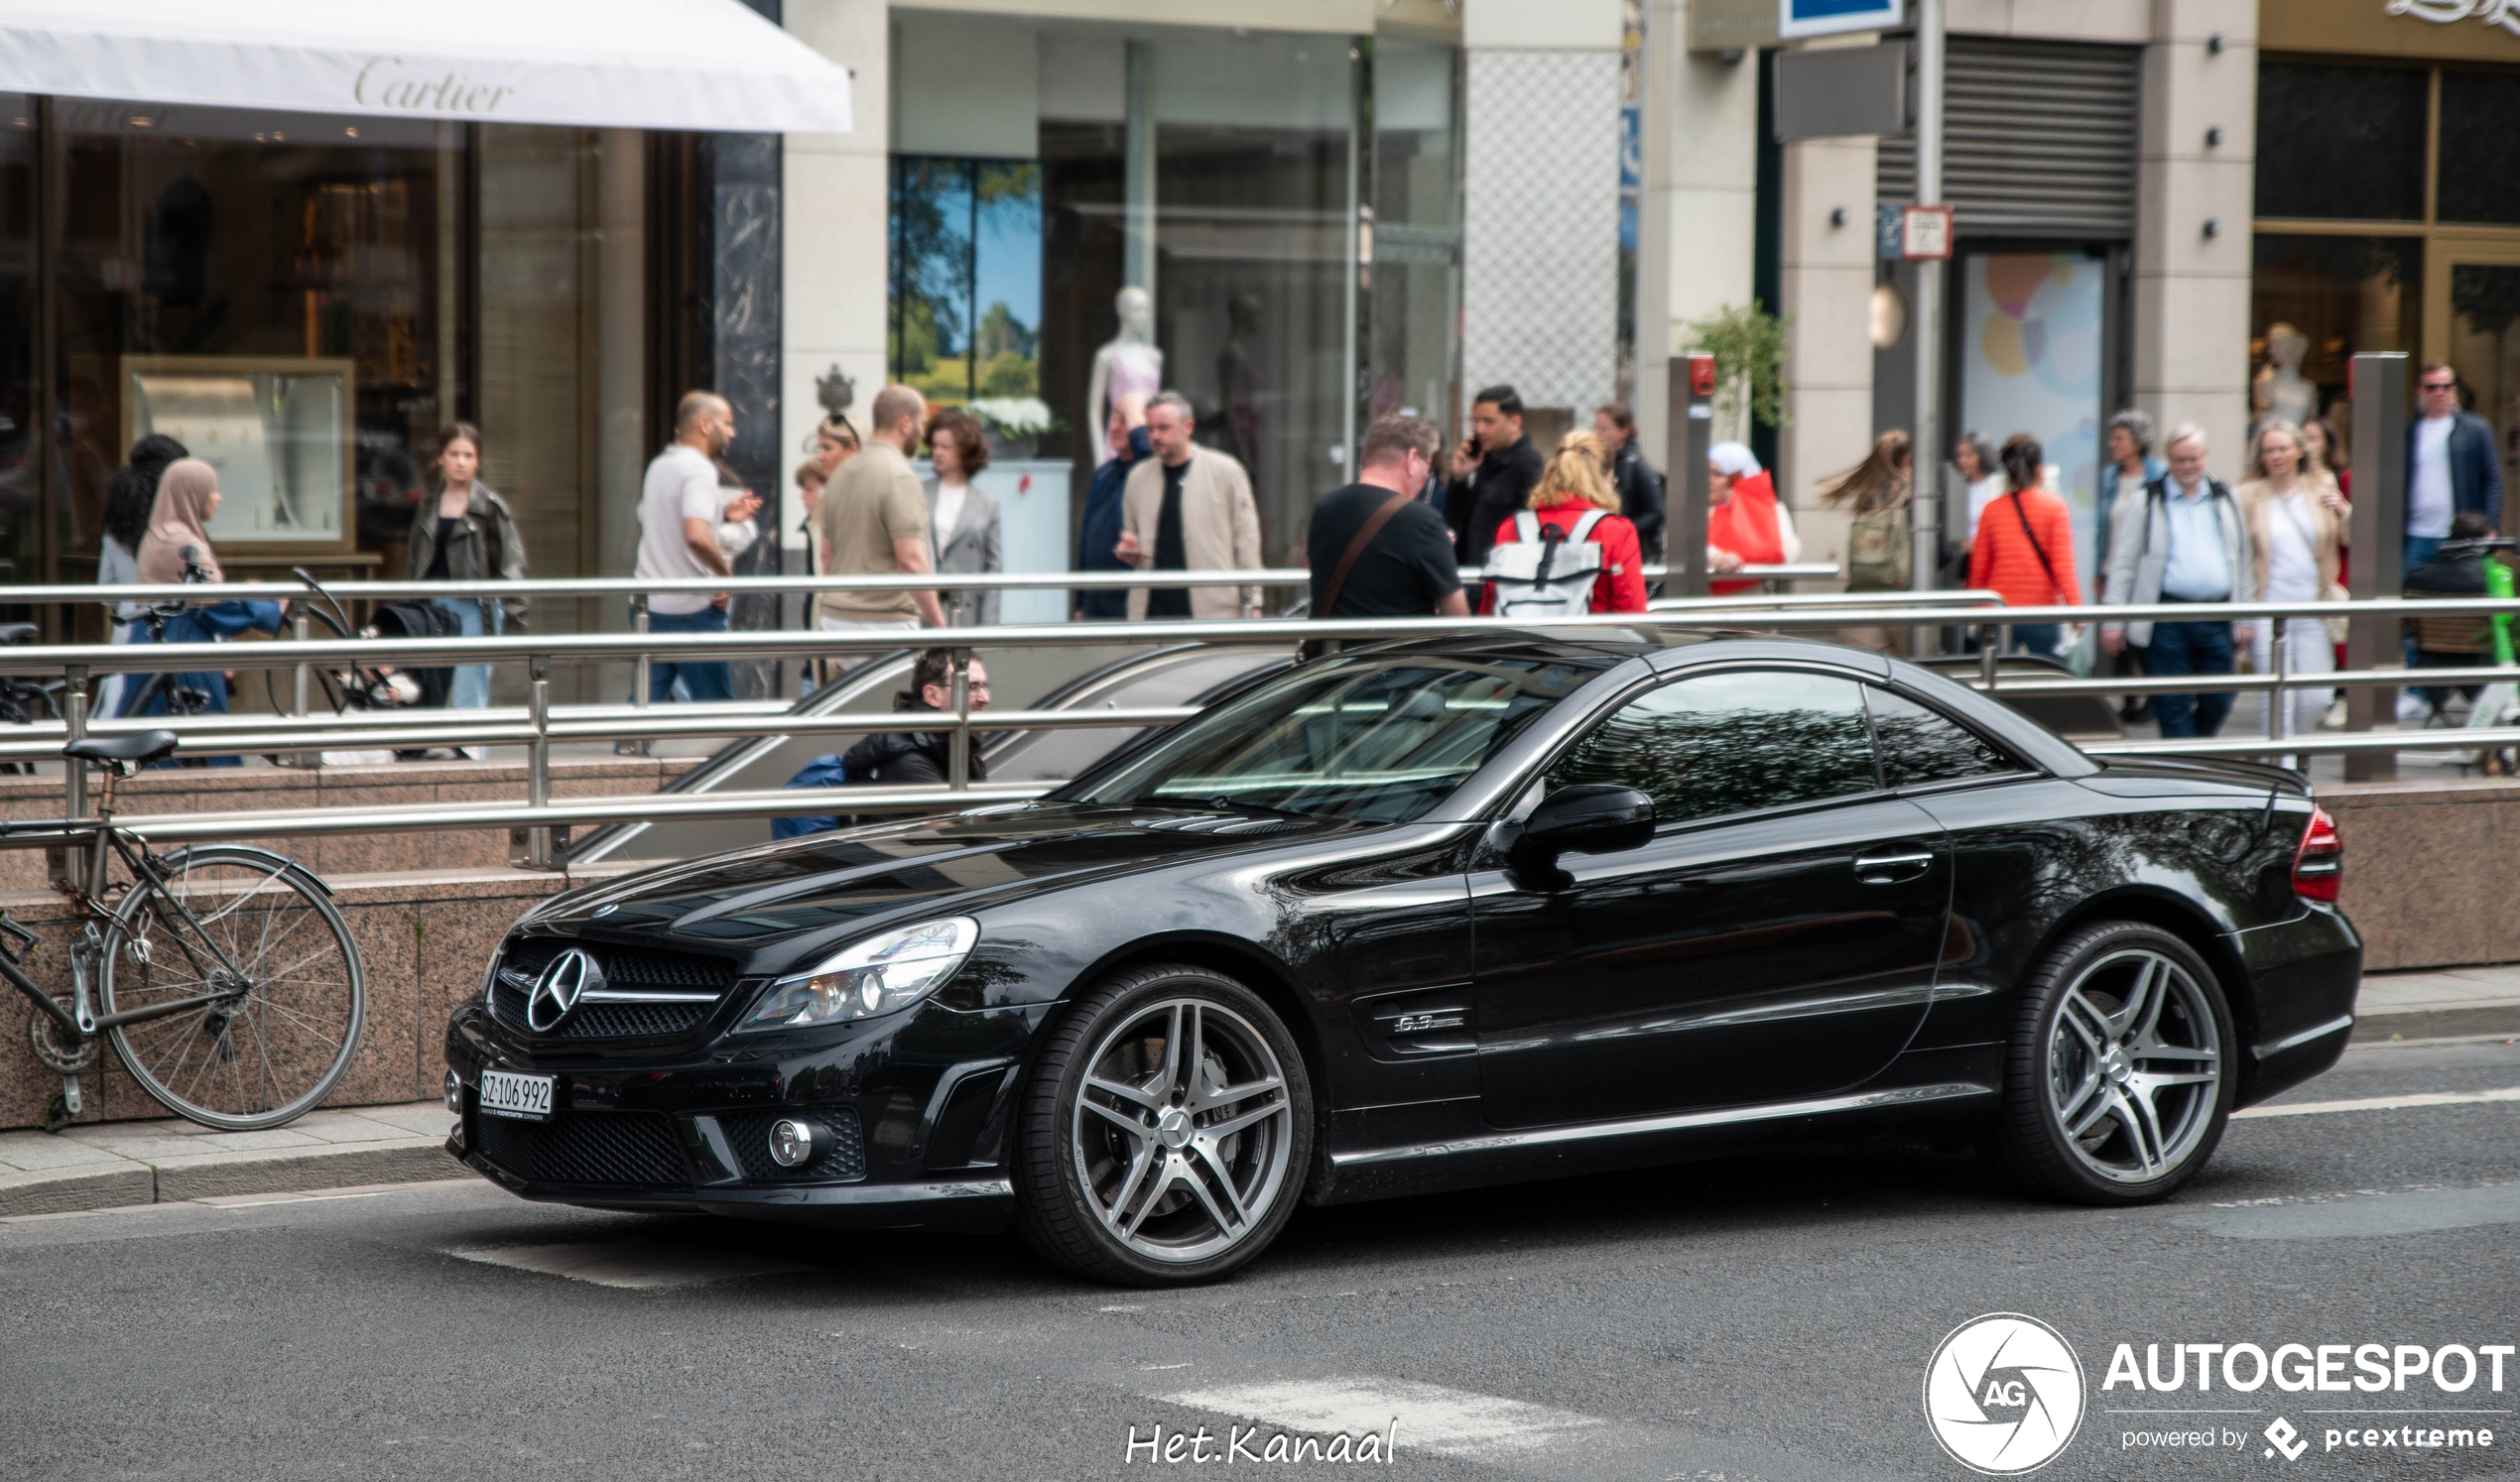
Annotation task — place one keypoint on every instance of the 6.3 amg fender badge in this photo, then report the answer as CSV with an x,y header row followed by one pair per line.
x,y
569,978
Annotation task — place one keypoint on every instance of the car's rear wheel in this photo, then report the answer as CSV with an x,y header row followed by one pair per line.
x,y
1165,1132
2120,1078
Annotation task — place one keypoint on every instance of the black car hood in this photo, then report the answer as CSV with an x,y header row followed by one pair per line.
x,y
830,879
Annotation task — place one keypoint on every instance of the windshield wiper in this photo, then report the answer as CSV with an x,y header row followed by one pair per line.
x,y
1236,805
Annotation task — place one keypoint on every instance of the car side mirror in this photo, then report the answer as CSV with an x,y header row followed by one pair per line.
x,y
1587,819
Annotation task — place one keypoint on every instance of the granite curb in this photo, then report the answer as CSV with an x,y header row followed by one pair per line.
x,y
100,1165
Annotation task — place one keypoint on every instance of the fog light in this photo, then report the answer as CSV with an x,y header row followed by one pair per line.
x,y
794,1143
455,1093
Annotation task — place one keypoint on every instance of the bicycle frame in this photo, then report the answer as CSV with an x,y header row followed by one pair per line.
x,y
82,1018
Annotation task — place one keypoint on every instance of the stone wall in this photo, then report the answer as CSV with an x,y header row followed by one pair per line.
x,y
2428,869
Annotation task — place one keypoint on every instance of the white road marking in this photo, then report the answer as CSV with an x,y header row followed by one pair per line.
x,y
1453,1423
637,1265
2382,1103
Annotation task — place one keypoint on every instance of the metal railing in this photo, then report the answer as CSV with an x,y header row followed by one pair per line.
x,y
539,724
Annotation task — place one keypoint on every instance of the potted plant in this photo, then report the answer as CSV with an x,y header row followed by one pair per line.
x,y
1015,423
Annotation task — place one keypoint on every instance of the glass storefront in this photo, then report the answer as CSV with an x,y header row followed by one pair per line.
x,y
1304,258
278,292
2386,220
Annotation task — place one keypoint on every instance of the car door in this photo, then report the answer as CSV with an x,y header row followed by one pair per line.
x,y
1775,940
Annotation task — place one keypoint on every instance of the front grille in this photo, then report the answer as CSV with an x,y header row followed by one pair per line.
x,y
625,968
750,1133
585,1148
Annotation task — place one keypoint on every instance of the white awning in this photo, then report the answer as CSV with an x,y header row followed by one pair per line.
x,y
613,63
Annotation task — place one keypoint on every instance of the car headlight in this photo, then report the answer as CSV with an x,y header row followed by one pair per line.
x,y
871,977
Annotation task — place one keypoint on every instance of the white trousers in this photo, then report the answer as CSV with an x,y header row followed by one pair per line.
x,y
2307,651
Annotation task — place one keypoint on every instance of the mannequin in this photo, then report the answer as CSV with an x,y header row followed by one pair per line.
x,y
1129,364
2282,394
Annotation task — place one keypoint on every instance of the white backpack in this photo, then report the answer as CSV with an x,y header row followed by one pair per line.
x,y
1541,573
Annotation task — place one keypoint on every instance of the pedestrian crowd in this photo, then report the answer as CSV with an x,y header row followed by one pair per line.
x,y
1495,524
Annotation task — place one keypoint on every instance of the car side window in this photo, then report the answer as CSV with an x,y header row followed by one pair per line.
x,y
1728,743
1918,744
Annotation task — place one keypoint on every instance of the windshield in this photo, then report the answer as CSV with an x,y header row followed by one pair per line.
x,y
1362,740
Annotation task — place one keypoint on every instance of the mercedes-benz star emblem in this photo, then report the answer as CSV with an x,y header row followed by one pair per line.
x,y
558,990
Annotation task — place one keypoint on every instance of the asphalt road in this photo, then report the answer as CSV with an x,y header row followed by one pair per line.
x,y
1756,1319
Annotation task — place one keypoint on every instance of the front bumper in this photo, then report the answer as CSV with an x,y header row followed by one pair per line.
x,y
918,1137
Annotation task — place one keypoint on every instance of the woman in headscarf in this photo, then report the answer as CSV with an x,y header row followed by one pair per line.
x,y
188,498
129,497
1746,523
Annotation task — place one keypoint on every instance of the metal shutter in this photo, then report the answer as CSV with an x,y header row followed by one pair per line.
x,y
2039,139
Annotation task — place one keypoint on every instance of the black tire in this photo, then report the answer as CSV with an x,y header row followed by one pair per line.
x,y
269,938
2120,1078
1132,1168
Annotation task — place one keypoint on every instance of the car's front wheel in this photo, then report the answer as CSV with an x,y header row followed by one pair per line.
x,y
2120,1078
1165,1130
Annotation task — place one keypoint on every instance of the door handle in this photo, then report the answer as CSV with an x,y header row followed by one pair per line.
x,y
1890,869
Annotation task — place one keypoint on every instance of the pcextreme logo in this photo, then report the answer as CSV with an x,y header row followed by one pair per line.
x,y
2004,1394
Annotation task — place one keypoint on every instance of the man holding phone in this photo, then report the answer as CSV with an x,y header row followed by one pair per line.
x,y
1493,473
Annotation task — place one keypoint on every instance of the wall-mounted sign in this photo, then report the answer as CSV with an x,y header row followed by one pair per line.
x,y
1925,232
2502,13
2436,30
1800,18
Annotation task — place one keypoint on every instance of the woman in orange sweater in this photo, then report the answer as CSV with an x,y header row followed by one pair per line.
x,y
2025,548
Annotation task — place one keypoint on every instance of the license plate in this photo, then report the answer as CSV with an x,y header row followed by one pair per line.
x,y
504,1093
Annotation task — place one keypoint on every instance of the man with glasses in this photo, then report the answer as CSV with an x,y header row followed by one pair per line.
x,y
2451,466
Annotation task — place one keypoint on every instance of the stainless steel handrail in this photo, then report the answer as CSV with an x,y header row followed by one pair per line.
x,y
635,586
539,724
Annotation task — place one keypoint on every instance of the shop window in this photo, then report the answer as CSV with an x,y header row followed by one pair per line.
x,y
2480,147
2343,295
965,311
1414,273
2341,142
277,290
20,548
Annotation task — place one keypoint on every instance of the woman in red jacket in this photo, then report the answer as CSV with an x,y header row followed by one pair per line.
x,y
1576,482
1746,523
2025,547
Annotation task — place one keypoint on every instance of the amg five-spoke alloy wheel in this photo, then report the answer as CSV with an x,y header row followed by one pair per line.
x,y
1167,1131
2118,1083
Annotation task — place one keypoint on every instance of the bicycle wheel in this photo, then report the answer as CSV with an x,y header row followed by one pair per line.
x,y
260,936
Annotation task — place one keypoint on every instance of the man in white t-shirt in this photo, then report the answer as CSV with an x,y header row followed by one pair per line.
x,y
2452,465
681,507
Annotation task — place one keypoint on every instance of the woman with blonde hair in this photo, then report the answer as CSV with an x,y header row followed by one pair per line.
x,y
1575,483
2297,525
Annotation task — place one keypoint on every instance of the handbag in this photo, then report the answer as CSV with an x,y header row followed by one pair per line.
x,y
1314,648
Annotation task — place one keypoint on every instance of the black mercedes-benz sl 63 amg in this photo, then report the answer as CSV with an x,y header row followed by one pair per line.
x,y
1429,914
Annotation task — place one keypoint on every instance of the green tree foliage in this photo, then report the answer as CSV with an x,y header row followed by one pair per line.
x,y
1749,349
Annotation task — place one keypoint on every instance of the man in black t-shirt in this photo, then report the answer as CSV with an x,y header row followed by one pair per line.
x,y
1405,569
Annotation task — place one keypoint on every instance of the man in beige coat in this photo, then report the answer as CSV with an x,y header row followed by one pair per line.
x,y
1187,508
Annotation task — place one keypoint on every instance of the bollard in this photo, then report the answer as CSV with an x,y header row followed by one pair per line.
x,y
538,775
638,671
958,764
2278,713
70,864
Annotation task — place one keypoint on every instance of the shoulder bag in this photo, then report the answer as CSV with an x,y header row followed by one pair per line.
x,y
1314,648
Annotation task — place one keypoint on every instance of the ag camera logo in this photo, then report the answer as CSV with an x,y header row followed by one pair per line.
x,y
2004,1394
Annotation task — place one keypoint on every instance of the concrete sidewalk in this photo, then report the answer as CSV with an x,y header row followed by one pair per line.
x,y
2431,1003
111,1164
108,1163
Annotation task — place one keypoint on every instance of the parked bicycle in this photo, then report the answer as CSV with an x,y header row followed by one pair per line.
x,y
228,983
181,699
24,702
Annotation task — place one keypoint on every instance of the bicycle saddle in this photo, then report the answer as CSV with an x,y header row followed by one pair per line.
x,y
139,749
17,632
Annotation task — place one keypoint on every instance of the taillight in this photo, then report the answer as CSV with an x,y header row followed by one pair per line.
x,y
2319,865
